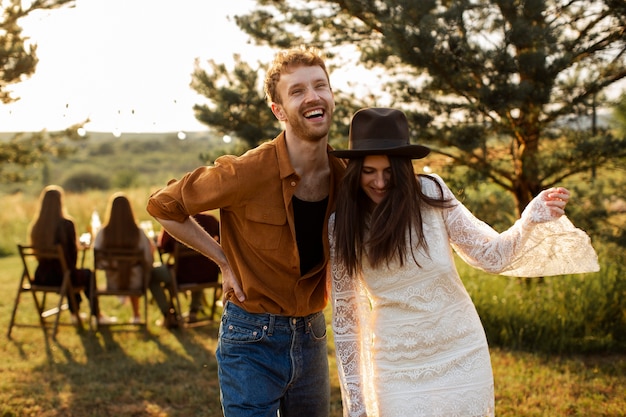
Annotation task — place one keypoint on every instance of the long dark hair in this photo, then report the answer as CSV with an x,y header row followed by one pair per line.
x,y
363,228
121,230
45,229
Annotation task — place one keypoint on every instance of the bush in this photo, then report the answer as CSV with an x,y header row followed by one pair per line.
x,y
563,314
102,149
125,179
84,181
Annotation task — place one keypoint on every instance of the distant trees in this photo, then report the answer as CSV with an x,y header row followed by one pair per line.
x,y
496,86
18,60
23,154
237,105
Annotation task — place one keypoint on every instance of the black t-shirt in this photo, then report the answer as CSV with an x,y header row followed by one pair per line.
x,y
309,218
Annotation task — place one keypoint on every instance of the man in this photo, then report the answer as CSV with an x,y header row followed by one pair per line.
x,y
274,204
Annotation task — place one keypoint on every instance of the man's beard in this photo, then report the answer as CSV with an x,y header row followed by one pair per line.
x,y
311,134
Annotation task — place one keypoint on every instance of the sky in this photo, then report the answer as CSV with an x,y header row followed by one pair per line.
x,y
124,64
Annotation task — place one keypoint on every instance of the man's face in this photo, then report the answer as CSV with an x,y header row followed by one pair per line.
x,y
307,103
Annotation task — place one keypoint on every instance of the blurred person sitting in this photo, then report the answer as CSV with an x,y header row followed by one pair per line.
x,y
194,269
53,226
121,231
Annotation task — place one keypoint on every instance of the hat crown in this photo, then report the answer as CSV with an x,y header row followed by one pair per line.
x,y
378,128
380,131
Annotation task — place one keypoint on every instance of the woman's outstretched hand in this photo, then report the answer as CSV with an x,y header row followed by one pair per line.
x,y
556,199
548,205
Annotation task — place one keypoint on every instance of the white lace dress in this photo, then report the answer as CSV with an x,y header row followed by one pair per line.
x,y
408,339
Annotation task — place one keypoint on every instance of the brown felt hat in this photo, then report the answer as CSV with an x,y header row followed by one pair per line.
x,y
380,131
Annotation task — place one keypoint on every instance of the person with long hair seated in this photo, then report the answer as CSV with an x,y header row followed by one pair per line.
x,y
194,269
121,231
53,226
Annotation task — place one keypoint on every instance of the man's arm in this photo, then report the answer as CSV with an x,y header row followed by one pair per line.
x,y
193,235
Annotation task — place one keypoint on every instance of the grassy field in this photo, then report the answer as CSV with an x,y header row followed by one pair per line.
x,y
158,373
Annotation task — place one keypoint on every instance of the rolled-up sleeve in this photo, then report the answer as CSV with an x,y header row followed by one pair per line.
x,y
206,188
166,203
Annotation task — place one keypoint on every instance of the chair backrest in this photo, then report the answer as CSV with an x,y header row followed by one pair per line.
x,y
192,271
32,256
189,266
118,265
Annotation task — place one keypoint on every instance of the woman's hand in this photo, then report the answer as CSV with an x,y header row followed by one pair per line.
x,y
547,206
556,199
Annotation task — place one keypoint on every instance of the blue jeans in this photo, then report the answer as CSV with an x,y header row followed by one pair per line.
x,y
268,363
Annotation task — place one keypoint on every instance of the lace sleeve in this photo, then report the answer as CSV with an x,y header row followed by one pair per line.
x,y
348,303
538,244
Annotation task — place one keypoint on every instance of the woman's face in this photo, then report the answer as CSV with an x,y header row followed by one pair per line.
x,y
375,177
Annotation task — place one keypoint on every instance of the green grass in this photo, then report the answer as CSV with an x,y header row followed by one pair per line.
x,y
123,372
158,373
581,313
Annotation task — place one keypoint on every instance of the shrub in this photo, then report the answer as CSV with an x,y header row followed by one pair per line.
x,y
102,149
125,179
84,181
562,314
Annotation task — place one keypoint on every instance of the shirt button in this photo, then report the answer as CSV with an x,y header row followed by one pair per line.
x,y
293,321
293,183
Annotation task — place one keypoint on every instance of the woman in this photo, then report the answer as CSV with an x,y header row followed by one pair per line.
x,y
409,341
53,226
121,231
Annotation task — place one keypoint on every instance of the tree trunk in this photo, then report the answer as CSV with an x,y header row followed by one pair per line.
x,y
526,181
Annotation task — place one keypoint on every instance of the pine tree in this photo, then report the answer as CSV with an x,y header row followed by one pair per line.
x,y
18,60
496,86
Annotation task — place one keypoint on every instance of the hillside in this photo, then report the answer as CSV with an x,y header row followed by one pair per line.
x,y
133,159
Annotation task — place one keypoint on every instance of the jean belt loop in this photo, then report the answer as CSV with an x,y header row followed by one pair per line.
x,y
307,324
270,327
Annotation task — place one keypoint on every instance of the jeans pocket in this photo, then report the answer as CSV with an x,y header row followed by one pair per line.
x,y
241,332
317,328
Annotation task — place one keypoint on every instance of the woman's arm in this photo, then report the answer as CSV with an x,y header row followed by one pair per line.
x,y
542,242
347,305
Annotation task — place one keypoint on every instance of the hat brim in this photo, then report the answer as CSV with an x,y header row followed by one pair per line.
x,y
409,151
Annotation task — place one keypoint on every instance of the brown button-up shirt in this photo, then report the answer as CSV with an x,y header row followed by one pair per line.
x,y
253,193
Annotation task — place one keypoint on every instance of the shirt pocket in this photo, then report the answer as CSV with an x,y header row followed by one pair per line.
x,y
266,226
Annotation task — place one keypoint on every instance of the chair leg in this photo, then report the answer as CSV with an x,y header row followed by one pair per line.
x,y
67,291
14,312
40,306
175,297
145,308
93,316
59,309
217,293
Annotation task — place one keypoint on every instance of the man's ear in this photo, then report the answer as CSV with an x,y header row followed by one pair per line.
x,y
278,111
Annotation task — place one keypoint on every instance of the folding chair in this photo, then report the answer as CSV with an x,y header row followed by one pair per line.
x,y
118,264
66,291
212,282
